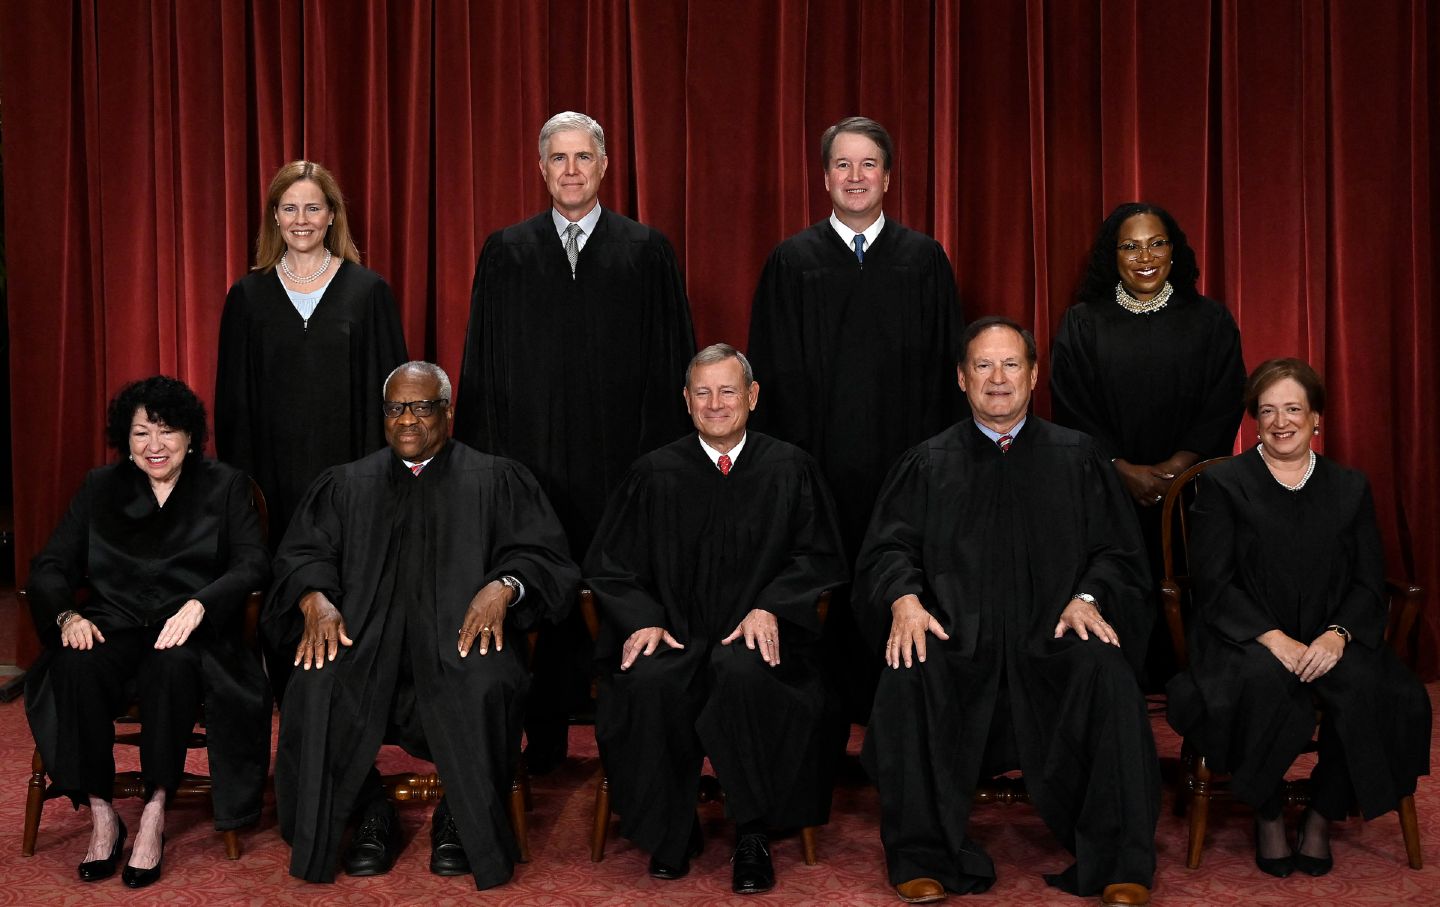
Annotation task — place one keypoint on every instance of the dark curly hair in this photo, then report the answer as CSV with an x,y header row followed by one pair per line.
x,y
1101,274
168,401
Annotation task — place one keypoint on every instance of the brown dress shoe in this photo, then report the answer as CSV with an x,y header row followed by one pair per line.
x,y
1125,893
920,891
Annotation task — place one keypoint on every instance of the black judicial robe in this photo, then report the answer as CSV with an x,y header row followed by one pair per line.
x,y
575,378
1263,557
141,562
402,556
294,397
995,544
686,548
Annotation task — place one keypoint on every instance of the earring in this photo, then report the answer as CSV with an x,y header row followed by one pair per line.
x,y
132,458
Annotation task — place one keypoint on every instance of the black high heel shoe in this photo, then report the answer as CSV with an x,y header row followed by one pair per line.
x,y
1314,866
95,870
1279,867
139,878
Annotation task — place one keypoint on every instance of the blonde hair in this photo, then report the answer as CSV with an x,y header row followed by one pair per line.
x,y
270,245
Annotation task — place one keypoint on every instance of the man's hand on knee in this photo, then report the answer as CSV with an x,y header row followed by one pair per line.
x,y
762,630
324,631
485,618
644,642
909,622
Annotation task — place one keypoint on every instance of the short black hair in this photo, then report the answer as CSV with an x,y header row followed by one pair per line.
x,y
168,401
1102,273
860,126
981,325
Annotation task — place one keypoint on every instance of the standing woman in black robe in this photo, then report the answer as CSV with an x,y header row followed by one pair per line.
x,y
1148,367
307,338
1290,609
168,545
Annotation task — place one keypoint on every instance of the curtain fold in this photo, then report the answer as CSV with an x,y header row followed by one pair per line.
x,y
1294,141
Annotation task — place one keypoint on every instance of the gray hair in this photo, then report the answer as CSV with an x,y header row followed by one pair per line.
x,y
428,369
568,120
719,352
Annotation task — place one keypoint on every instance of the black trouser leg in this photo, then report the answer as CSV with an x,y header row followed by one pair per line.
x,y
170,692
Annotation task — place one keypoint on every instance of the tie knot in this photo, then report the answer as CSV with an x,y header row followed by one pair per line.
x,y
860,246
417,467
725,464
573,231
1005,442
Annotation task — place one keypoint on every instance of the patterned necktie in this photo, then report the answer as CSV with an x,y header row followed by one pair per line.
x,y
860,247
1005,442
724,464
572,246
417,467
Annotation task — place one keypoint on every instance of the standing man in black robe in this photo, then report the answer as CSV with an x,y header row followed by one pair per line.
x,y
398,568
579,329
720,538
855,325
1001,573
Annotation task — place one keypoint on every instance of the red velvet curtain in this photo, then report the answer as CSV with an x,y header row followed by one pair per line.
x,y
1295,141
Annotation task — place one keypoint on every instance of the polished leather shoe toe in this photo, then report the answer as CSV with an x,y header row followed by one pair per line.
x,y
139,878
1125,893
95,870
752,872
920,891
662,870
374,845
447,853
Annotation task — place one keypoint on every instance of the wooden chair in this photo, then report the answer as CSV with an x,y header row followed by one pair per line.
x,y
192,786
423,787
710,790
1199,784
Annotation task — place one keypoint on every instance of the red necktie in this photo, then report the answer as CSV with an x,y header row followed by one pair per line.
x,y
1005,442
417,467
724,464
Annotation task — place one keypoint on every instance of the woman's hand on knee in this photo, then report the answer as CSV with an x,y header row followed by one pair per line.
x,y
180,625
79,633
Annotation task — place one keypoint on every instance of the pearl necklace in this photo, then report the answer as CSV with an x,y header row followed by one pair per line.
x,y
1142,307
324,266
1309,471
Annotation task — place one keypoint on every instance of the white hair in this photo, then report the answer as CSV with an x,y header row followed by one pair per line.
x,y
719,352
566,121
425,368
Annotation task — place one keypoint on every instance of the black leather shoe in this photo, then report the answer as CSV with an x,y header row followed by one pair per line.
x,y
95,870
375,844
753,872
693,848
139,878
447,853
1314,866
1279,867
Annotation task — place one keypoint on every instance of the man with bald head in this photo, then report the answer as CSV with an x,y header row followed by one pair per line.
x,y
579,331
402,586
1000,576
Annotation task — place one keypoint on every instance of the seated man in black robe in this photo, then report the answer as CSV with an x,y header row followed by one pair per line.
x,y
1001,572
708,567
396,568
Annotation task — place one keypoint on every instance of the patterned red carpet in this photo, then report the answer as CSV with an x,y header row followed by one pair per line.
x,y
1370,857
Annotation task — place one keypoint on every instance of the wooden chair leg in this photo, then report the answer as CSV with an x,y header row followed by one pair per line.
x,y
1410,828
232,844
35,802
807,840
517,817
1199,806
602,819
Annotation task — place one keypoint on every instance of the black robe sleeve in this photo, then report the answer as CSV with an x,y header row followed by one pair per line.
x,y
308,560
1222,600
618,566
1211,431
247,560
1362,610
1074,385
529,546
815,562
58,571
891,564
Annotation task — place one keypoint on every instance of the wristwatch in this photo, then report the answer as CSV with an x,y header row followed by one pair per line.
x,y
1087,598
513,585
1339,631
63,617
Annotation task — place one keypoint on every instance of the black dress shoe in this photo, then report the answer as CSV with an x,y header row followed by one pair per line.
x,y
753,872
447,853
95,870
1314,866
375,844
139,878
693,848
1279,867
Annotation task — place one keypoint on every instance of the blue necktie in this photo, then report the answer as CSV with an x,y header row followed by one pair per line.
x,y
860,247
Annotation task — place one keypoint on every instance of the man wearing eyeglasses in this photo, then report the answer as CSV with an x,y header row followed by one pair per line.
x,y
402,584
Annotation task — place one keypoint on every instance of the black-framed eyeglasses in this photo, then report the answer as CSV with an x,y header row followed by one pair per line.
x,y
1158,248
423,409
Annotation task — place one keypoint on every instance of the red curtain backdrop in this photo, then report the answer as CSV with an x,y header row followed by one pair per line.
x,y
1295,141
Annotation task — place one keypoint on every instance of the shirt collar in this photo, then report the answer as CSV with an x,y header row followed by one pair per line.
x,y
848,235
714,455
587,223
411,464
996,436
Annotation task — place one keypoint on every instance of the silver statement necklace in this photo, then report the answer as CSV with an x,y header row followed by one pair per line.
x,y
294,278
1142,307
1309,471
